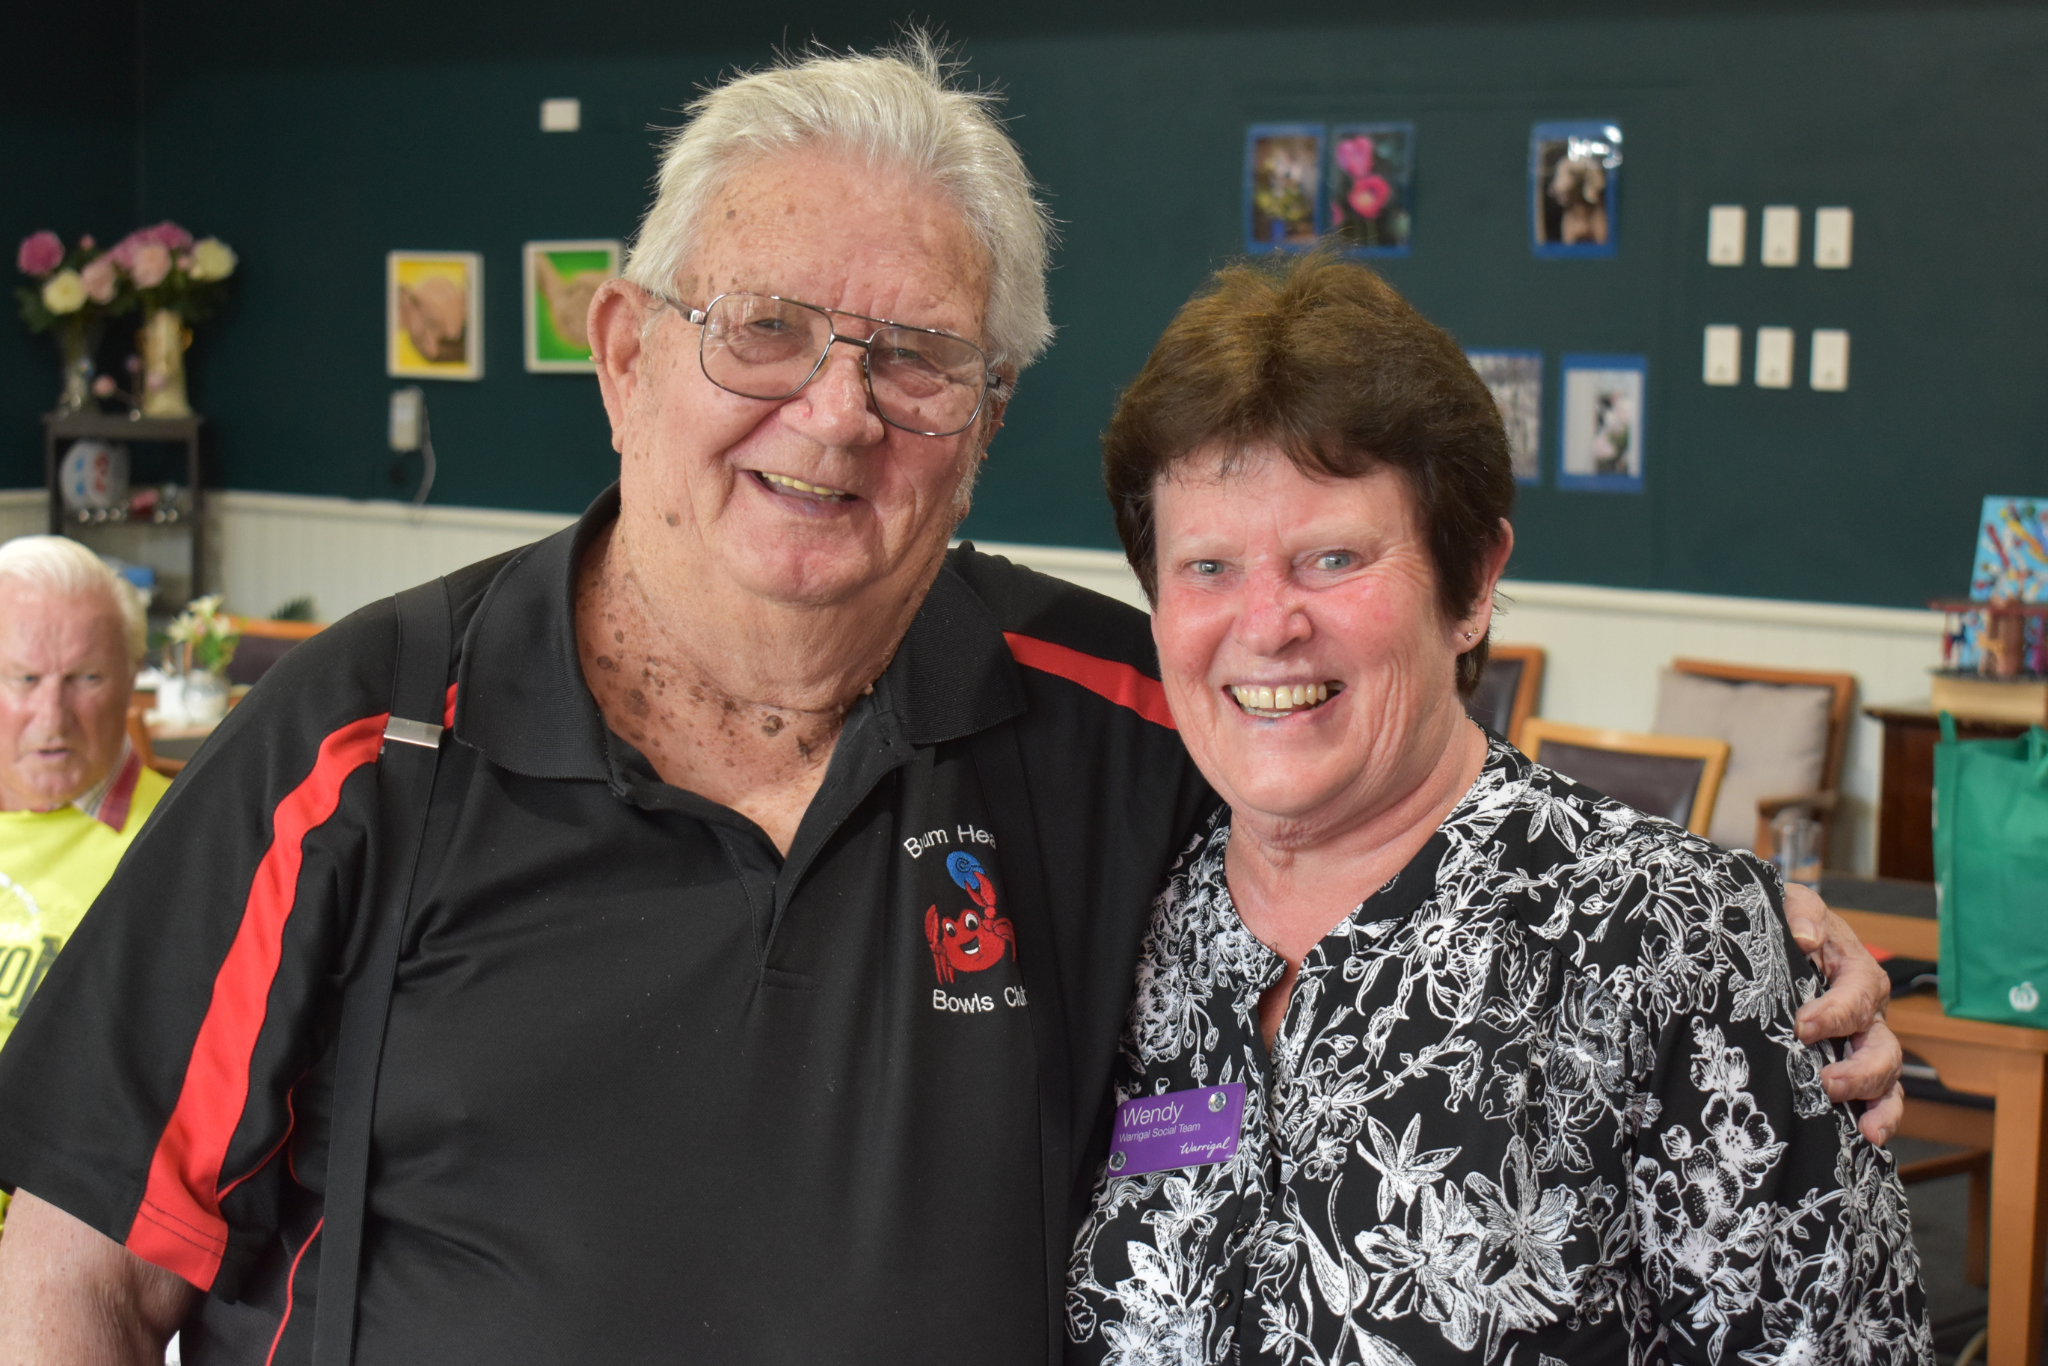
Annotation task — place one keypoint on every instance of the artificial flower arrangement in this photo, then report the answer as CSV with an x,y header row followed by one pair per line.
x,y
208,635
160,269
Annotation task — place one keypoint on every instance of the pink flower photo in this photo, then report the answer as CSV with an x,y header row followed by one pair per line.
x,y
1370,183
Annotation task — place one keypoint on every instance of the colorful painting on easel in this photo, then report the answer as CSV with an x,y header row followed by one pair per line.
x,y
2012,551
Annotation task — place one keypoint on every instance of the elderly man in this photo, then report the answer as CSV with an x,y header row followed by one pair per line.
x,y
783,879
72,791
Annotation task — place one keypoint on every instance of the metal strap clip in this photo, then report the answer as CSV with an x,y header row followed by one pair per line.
x,y
422,733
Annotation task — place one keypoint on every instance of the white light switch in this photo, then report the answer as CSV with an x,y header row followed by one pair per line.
x,y
1830,358
1781,236
1727,234
1774,358
1833,231
1723,354
405,417
561,116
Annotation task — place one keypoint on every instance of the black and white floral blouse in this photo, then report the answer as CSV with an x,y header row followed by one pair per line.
x,y
1538,1100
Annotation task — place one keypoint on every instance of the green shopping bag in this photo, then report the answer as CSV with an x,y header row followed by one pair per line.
x,y
1991,868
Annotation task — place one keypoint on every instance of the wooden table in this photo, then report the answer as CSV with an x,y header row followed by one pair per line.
x,y
1905,805
2009,1063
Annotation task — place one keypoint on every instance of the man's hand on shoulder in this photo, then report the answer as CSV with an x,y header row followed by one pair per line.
x,y
71,1296
1852,1009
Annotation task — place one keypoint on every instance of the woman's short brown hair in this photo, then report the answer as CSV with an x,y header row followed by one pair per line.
x,y
1323,360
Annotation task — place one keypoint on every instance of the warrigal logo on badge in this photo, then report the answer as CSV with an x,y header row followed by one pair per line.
x,y
2023,996
976,938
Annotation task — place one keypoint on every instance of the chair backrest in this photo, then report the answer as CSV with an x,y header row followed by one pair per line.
x,y
1841,702
1788,729
1508,691
263,643
1673,776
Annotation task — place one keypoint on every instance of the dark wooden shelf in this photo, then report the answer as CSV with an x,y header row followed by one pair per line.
x,y
60,429
121,427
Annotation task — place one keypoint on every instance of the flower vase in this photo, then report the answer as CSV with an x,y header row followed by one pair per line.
x,y
76,344
205,697
164,339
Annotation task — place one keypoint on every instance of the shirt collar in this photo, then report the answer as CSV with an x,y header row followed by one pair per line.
x,y
521,698
108,800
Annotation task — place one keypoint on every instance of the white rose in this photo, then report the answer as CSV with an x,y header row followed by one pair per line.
x,y
212,259
65,292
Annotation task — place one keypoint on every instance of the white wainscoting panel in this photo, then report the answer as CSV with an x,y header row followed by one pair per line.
x,y
1605,645
273,547
23,512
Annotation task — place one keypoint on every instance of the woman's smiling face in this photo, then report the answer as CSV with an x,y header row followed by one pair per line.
x,y
1271,579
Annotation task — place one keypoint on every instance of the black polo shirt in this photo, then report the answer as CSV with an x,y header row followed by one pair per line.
x,y
650,1091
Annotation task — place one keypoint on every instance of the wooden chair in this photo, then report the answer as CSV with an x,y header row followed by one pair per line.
x,y
264,642
138,736
1674,776
1508,691
1841,707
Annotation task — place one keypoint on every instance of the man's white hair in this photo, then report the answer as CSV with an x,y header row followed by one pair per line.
x,y
896,109
58,564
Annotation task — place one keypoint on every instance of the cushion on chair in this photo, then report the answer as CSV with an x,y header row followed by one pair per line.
x,y
1654,784
1777,741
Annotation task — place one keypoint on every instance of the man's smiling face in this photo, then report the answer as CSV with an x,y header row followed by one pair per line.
x,y
810,500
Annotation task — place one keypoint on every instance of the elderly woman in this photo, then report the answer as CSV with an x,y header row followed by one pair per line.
x,y
1484,1065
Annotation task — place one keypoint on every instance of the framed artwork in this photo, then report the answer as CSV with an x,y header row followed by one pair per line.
x,y
1372,185
1600,449
560,278
434,314
1575,188
1283,171
2012,551
1515,378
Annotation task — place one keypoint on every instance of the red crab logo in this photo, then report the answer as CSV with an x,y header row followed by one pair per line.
x,y
973,940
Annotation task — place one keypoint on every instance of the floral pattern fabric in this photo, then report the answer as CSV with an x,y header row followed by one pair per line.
x,y
1537,1100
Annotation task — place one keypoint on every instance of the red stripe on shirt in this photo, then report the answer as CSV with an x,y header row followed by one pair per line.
x,y
179,1225
1120,683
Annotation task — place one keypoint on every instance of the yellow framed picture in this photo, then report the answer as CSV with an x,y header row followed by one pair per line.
x,y
560,278
434,314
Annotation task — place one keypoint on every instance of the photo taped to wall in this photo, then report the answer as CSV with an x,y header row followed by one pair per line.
x,y
1515,378
434,314
560,278
1372,184
1283,166
1601,432
1574,188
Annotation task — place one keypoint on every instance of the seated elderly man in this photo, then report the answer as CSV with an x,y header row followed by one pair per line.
x,y
73,792
775,910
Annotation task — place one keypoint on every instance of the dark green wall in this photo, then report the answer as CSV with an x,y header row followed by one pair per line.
x,y
68,141
315,149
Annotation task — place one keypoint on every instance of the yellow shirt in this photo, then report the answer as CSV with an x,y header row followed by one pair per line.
x,y
52,865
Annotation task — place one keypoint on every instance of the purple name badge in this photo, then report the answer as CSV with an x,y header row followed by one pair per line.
x,y
1179,1129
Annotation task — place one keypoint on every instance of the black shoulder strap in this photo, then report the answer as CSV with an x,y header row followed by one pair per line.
x,y
1009,798
405,789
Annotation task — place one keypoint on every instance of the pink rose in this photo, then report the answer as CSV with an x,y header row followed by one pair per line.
x,y
1354,157
1369,194
41,253
166,234
152,263
103,387
86,243
100,279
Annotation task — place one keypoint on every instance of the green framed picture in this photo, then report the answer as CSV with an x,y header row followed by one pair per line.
x,y
560,278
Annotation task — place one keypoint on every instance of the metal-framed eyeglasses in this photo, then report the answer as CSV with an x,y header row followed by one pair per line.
x,y
919,379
